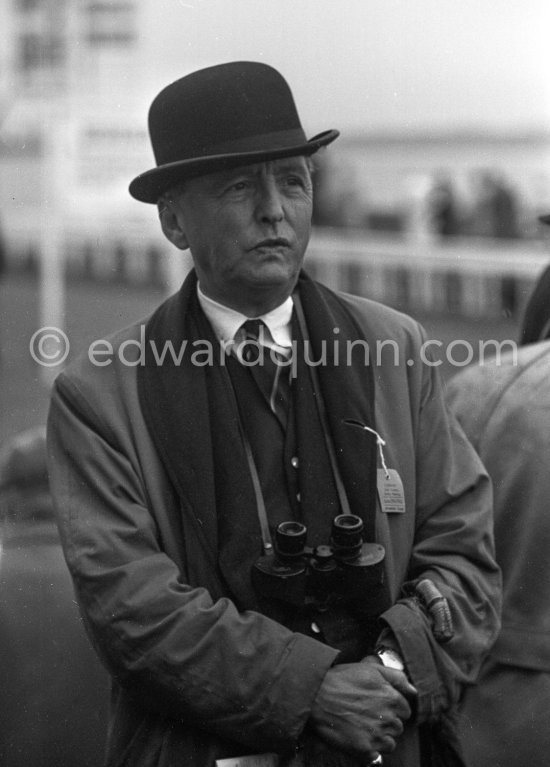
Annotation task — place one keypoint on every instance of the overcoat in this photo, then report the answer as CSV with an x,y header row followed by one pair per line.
x,y
504,407
195,678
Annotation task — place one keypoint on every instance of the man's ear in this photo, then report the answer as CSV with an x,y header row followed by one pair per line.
x,y
171,221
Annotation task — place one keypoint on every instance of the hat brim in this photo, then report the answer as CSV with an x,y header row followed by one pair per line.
x,y
149,186
545,219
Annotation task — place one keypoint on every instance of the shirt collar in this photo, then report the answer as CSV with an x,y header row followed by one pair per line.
x,y
226,321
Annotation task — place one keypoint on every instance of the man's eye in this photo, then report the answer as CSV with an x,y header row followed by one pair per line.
x,y
238,186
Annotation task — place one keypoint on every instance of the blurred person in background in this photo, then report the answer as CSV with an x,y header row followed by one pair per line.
x,y
3,268
536,319
504,207
443,204
54,693
174,479
3,252
494,209
504,409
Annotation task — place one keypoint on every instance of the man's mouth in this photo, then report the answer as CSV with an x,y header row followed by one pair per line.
x,y
272,242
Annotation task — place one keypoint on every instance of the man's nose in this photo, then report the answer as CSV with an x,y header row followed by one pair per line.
x,y
269,205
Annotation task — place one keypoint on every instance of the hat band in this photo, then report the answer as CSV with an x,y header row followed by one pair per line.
x,y
263,142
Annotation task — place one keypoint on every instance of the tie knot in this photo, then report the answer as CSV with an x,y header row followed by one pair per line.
x,y
267,365
257,342
255,330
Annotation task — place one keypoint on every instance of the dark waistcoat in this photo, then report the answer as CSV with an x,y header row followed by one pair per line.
x,y
274,448
277,454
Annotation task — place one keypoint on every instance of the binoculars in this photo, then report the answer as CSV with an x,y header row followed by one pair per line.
x,y
343,571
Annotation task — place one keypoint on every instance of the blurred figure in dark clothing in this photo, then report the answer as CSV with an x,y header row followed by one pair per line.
x,y
495,212
54,693
444,213
504,211
536,320
3,266
3,256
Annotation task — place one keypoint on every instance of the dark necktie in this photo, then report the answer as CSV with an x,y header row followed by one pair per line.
x,y
271,370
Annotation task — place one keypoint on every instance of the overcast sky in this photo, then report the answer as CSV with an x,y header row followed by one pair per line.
x,y
373,64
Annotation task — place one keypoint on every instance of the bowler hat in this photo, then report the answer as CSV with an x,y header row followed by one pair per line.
x,y
223,116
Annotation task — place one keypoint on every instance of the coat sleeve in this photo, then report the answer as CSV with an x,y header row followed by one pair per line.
x,y
238,675
453,547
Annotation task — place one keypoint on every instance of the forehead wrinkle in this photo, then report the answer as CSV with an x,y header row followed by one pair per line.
x,y
284,163
210,183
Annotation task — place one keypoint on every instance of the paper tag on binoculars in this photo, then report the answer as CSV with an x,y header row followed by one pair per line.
x,y
255,760
390,491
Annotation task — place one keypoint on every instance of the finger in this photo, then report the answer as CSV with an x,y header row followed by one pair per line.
x,y
384,744
406,688
399,680
402,709
391,725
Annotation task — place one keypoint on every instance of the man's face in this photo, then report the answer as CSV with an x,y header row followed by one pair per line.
x,y
248,229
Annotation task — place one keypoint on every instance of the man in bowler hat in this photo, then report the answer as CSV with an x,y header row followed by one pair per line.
x,y
282,556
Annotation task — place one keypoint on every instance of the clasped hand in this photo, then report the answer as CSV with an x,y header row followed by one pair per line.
x,y
361,707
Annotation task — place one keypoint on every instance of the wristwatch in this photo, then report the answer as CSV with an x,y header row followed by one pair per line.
x,y
390,658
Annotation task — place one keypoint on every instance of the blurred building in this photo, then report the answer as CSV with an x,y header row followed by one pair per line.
x,y
72,124
76,80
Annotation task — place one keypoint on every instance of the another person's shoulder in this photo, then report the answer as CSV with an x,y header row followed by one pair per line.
x,y
516,366
505,382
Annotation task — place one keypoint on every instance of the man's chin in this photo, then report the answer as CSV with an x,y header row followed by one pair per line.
x,y
272,275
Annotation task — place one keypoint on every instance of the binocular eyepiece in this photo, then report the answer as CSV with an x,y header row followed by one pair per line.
x,y
344,570
345,542
290,539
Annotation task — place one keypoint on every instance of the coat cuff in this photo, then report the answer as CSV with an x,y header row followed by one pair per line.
x,y
419,651
298,684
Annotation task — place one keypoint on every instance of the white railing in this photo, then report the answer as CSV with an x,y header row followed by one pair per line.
x,y
471,277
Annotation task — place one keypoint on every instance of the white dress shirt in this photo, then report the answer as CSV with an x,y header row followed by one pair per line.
x,y
226,323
